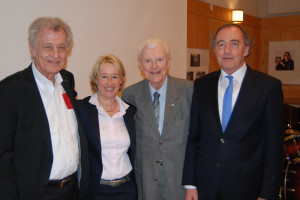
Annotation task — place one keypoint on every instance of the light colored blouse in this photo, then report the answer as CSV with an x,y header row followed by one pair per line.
x,y
115,141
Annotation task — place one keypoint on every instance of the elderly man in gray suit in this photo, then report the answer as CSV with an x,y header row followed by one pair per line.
x,y
162,122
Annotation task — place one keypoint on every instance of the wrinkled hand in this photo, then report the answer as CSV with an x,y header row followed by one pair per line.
x,y
191,194
260,198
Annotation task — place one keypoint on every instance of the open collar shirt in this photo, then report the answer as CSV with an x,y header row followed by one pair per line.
x,y
63,126
115,141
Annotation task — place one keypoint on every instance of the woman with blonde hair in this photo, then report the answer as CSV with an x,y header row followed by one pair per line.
x,y
108,123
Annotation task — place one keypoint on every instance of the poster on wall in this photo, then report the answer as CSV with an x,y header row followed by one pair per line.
x,y
197,63
284,61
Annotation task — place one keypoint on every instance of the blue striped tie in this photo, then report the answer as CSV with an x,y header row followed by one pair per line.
x,y
227,103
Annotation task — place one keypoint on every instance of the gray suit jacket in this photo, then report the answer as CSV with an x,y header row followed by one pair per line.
x,y
170,146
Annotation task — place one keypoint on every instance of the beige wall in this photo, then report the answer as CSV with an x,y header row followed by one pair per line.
x,y
99,27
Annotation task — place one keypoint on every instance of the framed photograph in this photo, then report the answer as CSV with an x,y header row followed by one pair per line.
x,y
195,60
284,60
197,63
190,76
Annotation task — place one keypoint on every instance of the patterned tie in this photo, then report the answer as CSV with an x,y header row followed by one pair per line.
x,y
227,103
156,107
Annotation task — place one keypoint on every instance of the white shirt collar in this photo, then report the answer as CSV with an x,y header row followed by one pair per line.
x,y
42,80
238,75
122,105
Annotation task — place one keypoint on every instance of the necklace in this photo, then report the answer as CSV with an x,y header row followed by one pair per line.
x,y
113,109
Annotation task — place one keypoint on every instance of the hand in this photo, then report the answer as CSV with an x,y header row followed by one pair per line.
x,y
191,194
260,198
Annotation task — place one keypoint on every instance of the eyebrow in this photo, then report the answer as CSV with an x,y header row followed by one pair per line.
x,y
220,41
233,40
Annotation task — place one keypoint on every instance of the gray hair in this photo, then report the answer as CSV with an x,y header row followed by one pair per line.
x,y
153,43
52,23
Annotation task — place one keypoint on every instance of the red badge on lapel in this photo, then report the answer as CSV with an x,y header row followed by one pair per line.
x,y
67,101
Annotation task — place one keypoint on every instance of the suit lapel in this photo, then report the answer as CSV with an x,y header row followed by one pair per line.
x,y
170,105
213,94
129,123
241,102
38,104
68,87
95,131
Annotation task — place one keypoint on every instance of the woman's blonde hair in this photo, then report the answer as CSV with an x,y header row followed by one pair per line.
x,y
99,65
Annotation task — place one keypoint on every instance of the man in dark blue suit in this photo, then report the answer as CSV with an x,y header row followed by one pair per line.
x,y
43,151
237,153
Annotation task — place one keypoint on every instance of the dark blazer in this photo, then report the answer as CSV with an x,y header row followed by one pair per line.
x,y
89,119
25,143
249,155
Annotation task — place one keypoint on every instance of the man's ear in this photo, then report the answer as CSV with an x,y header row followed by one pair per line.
x,y
246,51
32,50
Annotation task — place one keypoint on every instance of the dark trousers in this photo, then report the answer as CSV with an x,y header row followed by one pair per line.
x,y
126,191
228,191
68,192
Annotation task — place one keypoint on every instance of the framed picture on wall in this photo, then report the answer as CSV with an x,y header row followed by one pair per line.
x,y
284,61
195,60
197,63
190,76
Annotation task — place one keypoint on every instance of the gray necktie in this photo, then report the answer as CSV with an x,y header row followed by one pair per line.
x,y
156,107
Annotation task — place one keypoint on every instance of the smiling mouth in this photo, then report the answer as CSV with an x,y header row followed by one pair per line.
x,y
54,62
109,89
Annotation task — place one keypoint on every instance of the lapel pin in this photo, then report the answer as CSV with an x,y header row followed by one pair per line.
x,y
171,105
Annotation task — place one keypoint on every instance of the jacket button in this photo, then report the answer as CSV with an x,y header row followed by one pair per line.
x,y
155,179
218,165
160,142
161,162
222,141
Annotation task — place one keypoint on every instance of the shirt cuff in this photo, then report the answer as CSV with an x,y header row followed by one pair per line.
x,y
189,187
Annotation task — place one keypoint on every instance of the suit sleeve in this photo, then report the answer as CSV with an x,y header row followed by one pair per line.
x,y
8,124
273,128
190,162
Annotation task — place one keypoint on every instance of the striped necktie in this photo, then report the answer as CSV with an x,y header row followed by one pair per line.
x,y
156,107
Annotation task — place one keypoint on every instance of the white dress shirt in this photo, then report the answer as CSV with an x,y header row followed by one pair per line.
x,y
238,77
115,141
63,126
162,102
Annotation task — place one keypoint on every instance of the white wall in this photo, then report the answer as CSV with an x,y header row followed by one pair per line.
x,y
261,8
99,27
250,7
283,6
